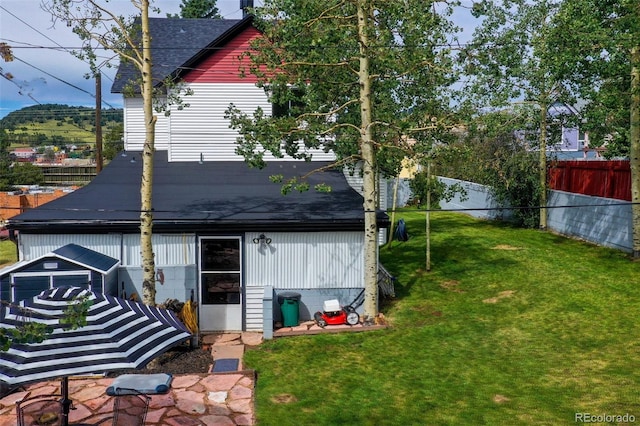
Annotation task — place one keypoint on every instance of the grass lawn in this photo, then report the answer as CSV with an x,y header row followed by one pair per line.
x,y
8,253
80,134
510,327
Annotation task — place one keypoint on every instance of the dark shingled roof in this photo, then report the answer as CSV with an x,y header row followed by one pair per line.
x,y
209,197
180,42
84,256
71,253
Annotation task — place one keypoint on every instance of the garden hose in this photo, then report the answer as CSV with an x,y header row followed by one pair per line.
x,y
189,317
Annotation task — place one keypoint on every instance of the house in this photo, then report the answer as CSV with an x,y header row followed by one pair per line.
x,y
223,233
567,140
573,141
24,154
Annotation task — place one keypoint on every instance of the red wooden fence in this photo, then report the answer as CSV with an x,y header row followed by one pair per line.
x,y
610,179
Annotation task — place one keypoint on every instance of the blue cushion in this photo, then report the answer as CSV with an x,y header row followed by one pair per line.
x,y
140,383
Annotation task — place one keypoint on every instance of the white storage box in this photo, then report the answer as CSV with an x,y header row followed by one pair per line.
x,y
331,305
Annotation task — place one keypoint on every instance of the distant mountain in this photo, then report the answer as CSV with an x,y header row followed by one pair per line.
x,y
58,112
56,124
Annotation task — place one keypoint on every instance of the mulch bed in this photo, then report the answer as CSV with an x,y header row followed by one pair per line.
x,y
177,360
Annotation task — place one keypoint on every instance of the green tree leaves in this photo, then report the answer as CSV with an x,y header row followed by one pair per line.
x,y
30,333
198,9
365,79
309,61
74,316
14,173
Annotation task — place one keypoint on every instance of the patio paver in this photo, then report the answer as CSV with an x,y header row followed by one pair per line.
x,y
194,399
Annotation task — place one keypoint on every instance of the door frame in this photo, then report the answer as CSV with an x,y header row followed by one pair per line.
x,y
235,309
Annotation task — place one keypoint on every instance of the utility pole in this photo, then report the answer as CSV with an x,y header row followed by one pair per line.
x,y
98,122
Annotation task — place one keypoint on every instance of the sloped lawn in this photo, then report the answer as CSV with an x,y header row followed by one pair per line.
x,y
510,327
8,254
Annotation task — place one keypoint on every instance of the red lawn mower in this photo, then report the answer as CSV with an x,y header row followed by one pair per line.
x,y
334,314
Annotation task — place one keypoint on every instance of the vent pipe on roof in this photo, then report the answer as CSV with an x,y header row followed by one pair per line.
x,y
244,5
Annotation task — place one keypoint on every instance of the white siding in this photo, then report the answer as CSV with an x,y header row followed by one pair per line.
x,y
202,129
253,309
314,260
384,196
355,181
134,130
169,249
33,246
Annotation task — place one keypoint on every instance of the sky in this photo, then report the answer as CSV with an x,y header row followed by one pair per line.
x,y
45,72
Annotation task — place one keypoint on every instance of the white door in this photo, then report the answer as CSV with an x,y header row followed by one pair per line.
x,y
221,292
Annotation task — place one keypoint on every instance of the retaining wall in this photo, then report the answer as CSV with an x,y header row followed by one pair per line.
x,y
603,221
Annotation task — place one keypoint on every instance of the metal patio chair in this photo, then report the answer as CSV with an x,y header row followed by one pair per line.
x,y
42,410
129,409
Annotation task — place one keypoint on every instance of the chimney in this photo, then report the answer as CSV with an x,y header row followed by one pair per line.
x,y
244,5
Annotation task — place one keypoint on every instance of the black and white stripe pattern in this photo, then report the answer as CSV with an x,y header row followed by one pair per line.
x,y
120,334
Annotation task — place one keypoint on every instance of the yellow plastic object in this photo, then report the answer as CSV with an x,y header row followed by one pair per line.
x,y
189,317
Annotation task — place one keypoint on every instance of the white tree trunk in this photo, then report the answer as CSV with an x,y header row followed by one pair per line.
x,y
543,164
368,169
634,154
146,184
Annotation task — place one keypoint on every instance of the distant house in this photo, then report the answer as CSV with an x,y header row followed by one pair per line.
x,y
24,154
571,143
572,139
224,235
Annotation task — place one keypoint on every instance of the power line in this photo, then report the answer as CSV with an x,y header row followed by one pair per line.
x,y
39,69
21,89
34,29
61,80
226,48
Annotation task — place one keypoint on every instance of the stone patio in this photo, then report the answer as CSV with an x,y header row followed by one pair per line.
x,y
194,399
